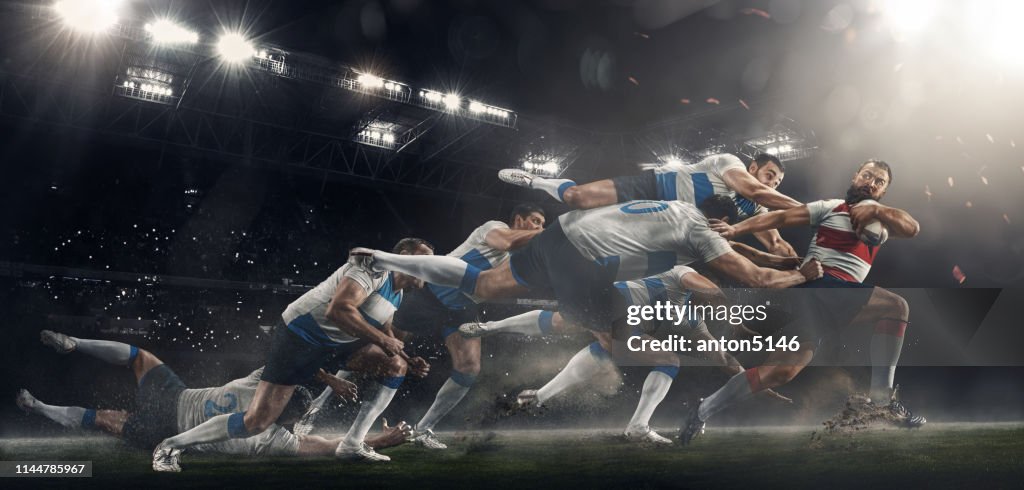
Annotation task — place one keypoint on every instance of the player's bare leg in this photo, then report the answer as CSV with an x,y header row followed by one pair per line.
x,y
586,196
465,355
888,313
778,369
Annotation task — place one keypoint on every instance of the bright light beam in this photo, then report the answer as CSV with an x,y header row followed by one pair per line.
x,y
234,47
90,16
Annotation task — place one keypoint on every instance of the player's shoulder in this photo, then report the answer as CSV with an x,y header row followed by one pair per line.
x,y
836,205
722,162
491,225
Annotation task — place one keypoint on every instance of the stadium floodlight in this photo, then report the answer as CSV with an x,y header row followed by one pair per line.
x,y
164,31
476,107
670,159
88,15
368,80
234,47
452,101
388,138
431,96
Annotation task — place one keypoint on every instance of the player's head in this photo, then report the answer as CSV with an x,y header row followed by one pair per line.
x,y
767,169
410,246
297,406
870,181
720,207
527,217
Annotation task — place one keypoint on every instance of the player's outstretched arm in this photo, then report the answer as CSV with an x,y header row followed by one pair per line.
x,y
749,187
764,259
738,268
506,239
343,311
899,222
767,221
773,242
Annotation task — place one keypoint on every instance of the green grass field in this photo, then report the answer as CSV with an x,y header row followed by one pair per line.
x,y
939,456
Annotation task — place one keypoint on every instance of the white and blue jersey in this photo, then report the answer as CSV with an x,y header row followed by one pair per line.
x,y
640,239
666,287
307,316
477,253
696,182
196,406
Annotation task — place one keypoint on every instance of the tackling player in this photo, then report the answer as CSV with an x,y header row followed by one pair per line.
x,y
164,406
347,316
752,187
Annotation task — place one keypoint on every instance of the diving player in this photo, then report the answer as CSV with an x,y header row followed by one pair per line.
x,y
584,252
164,406
346,316
838,299
752,187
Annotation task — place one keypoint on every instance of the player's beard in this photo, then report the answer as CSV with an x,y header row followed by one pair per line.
x,y
855,195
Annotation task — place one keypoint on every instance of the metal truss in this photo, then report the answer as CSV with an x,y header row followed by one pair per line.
x,y
237,138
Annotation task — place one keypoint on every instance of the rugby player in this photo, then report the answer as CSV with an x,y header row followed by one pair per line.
x,y
837,299
438,310
752,187
347,316
582,254
164,406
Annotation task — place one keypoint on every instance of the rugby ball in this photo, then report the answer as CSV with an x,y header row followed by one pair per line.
x,y
874,233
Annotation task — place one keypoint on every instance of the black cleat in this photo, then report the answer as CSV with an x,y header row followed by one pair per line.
x,y
903,415
692,427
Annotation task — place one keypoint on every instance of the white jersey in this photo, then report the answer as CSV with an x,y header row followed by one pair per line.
x,y
836,245
696,182
477,253
643,238
196,406
307,316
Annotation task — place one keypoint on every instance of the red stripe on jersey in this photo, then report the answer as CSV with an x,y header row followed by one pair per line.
x,y
839,273
846,242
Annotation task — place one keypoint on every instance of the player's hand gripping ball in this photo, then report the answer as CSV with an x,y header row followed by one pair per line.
x,y
873,233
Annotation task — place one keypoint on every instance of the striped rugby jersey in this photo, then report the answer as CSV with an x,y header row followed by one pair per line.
x,y
835,244
477,253
693,183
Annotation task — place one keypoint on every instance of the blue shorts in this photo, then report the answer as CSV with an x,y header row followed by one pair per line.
x,y
422,313
639,187
293,360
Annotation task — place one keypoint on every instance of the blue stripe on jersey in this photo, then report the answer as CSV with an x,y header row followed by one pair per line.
x,y
667,186
307,329
370,320
746,205
387,291
655,289
476,259
702,188
623,288
658,262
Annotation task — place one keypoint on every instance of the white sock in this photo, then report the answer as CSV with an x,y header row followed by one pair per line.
x,y
368,413
71,417
886,345
435,269
117,353
215,429
655,388
739,387
554,187
534,323
450,394
587,362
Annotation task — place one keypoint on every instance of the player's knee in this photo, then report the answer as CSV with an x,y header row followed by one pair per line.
x,y
573,197
469,367
395,366
896,306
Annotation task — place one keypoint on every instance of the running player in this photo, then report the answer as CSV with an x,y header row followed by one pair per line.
x,y
582,254
437,310
679,286
346,316
164,406
837,299
752,187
